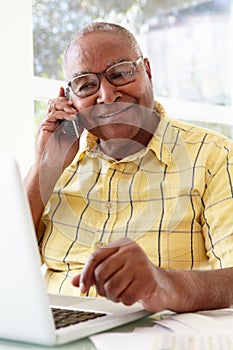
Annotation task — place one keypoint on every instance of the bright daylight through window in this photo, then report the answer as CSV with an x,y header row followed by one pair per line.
x,y
188,44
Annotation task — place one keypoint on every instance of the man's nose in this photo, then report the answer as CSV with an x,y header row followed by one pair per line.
x,y
107,93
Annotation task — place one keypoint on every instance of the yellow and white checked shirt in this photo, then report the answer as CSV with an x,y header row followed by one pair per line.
x,y
174,198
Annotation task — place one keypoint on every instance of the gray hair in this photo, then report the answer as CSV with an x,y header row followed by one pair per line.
x,y
105,27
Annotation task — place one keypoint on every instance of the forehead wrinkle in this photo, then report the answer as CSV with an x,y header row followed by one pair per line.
x,y
75,75
111,63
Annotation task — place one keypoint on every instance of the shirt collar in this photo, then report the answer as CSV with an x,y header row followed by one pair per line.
x,y
161,143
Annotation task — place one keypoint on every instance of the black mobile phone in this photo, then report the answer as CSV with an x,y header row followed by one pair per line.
x,y
71,127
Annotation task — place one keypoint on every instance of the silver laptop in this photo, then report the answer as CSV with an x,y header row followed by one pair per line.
x,y
26,310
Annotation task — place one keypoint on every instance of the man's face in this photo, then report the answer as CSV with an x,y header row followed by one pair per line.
x,y
112,112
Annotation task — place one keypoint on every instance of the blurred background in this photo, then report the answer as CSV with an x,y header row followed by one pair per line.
x,y
189,44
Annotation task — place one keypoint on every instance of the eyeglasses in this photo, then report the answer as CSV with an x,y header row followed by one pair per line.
x,y
118,75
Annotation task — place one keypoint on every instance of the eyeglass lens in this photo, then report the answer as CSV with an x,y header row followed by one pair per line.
x,y
119,74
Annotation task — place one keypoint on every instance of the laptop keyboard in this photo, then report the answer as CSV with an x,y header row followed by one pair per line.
x,y
65,317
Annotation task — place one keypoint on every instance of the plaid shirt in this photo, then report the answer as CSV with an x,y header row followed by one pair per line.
x,y
174,198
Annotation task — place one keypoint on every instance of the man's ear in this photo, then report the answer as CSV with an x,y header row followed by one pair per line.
x,y
147,67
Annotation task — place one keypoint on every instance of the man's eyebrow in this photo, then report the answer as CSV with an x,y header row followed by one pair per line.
x,y
80,73
111,63
119,60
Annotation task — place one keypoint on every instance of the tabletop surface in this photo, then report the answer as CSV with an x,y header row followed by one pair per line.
x,y
209,330
82,344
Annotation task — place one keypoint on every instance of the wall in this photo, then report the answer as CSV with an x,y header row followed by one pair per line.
x,y
16,71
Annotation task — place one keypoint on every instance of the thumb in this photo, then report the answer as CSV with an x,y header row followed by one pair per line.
x,y
76,280
61,92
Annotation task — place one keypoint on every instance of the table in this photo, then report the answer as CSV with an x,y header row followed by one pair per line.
x,y
82,344
209,330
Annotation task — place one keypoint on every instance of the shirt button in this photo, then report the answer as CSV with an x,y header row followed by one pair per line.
x,y
108,205
98,245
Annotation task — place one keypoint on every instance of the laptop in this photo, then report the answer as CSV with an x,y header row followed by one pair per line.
x,y
26,309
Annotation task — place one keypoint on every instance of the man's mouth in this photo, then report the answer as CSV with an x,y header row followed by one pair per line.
x,y
109,115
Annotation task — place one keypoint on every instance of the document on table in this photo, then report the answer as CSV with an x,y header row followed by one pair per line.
x,y
205,330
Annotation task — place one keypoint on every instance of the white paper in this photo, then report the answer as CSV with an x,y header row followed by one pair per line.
x,y
216,322
138,341
126,341
206,330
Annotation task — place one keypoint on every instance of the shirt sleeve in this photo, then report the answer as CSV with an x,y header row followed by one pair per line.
x,y
217,217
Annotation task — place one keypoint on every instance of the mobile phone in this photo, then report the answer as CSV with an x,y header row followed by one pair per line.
x,y
70,127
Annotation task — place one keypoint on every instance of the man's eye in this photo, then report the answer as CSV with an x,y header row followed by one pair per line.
x,y
86,86
120,75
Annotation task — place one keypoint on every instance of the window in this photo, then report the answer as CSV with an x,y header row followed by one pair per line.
x,y
188,43
16,132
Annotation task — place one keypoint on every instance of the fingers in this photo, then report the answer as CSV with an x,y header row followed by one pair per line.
x,y
60,104
88,274
115,288
110,277
91,274
119,278
58,109
120,271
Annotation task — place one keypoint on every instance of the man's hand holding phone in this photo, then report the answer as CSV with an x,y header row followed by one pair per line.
x,y
58,134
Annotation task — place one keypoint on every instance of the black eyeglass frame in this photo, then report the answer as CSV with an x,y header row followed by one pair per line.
x,y
105,74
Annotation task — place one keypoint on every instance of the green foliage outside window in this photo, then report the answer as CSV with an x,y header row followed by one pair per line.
x,y
187,41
